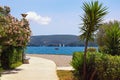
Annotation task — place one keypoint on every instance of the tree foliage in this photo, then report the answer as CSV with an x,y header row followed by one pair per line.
x,y
13,32
109,38
92,18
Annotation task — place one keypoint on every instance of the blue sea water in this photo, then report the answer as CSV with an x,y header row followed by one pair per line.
x,y
53,50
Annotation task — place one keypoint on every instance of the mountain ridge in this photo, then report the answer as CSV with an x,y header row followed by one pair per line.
x,y
56,40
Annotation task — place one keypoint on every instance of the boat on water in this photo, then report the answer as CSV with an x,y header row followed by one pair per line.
x,y
60,45
56,48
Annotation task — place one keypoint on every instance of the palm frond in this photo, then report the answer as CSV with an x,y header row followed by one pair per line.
x,y
93,17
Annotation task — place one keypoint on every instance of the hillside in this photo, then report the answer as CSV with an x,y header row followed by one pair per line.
x,y
56,40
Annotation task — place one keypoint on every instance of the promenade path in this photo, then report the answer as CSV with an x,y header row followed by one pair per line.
x,y
37,69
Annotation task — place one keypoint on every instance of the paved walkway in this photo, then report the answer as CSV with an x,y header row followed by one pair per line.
x,y
38,69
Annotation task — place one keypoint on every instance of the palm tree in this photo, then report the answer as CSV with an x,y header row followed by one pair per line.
x,y
92,18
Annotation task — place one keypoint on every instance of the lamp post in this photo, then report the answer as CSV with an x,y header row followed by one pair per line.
x,y
23,22
24,15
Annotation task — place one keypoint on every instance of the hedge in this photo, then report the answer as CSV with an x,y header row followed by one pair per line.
x,y
99,66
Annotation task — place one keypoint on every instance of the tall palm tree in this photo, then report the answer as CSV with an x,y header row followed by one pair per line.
x,y
92,18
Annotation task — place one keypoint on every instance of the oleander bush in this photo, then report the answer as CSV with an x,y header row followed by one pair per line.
x,y
99,66
14,36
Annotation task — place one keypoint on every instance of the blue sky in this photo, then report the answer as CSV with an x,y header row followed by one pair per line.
x,y
49,17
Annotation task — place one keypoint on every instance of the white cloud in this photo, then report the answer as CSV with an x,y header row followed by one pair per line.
x,y
33,16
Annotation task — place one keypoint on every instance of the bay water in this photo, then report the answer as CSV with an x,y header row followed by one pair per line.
x,y
54,50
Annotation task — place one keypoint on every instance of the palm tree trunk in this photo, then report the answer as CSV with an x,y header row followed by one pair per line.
x,y
93,74
84,64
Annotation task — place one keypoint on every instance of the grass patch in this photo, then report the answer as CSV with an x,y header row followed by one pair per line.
x,y
13,66
0,71
65,75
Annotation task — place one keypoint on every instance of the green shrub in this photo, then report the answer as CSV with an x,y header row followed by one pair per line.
x,y
77,63
0,71
14,65
11,56
100,66
91,49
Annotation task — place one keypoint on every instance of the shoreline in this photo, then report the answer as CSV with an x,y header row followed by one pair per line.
x,y
48,54
60,60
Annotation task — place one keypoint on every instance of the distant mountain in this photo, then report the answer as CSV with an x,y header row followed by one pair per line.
x,y
57,40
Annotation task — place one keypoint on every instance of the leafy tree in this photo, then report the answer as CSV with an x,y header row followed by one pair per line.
x,y
109,38
92,18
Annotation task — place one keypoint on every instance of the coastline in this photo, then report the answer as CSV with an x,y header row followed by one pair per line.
x,y
60,60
